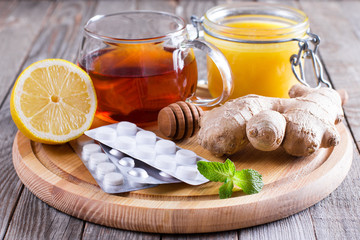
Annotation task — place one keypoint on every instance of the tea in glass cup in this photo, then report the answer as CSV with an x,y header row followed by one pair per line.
x,y
142,61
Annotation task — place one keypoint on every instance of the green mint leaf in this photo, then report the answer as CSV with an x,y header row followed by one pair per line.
x,y
250,181
225,191
215,171
230,166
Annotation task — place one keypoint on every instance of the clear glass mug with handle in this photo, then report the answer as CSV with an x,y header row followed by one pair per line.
x,y
142,61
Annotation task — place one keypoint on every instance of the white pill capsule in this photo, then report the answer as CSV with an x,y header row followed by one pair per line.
x,y
126,129
165,147
145,137
145,152
97,158
84,140
127,162
116,153
104,168
125,143
186,172
185,157
136,184
106,134
89,149
165,162
138,172
113,179
85,157
164,174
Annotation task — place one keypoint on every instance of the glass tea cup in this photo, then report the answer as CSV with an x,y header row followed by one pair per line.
x,y
142,61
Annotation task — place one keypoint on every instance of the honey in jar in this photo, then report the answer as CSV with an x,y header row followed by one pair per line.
x,y
258,41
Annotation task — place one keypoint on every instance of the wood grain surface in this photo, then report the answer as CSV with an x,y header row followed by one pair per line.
x,y
339,52
23,25
56,175
16,33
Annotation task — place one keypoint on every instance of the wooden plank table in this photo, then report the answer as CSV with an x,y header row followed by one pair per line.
x,y
33,30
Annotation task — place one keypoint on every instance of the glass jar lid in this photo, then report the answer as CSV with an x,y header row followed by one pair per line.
x,y
255,22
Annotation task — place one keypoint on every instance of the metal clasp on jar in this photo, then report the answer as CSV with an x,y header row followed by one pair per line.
x,y
306,52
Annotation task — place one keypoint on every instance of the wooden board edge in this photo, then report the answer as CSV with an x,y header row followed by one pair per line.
x,y
179,217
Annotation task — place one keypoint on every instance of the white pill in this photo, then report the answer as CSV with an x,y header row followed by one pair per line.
x,y
106,134
104,168
83,140
91,148
164,174
116,153
136,184
185,157
126,129
165,162
85,157
95,159
165,147
145,152
113,179
138,172
127,162
145,137
125,143
186,172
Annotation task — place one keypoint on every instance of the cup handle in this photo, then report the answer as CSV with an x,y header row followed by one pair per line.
x,y
225,72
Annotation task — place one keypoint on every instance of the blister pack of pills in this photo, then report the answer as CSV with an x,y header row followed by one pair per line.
x,y
116,172
135,170
150,149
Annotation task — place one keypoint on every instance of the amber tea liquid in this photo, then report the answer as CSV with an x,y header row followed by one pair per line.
x,y
134,81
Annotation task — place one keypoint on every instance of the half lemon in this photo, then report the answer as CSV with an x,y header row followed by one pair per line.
x,y
53,101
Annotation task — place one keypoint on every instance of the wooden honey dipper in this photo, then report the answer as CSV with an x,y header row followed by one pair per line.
x,y
179,120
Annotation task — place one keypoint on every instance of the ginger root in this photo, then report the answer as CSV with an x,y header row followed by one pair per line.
x,y
301,124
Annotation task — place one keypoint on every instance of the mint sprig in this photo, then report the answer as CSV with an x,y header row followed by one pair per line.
x,y
249,180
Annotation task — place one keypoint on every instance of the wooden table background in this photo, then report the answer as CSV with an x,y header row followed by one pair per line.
x,y
34,30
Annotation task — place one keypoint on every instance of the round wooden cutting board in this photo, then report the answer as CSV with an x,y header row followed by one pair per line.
x,y
57,176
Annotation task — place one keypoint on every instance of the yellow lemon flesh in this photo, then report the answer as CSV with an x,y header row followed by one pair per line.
x,y
53,101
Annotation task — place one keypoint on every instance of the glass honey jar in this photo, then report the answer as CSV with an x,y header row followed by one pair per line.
x,y
265,45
